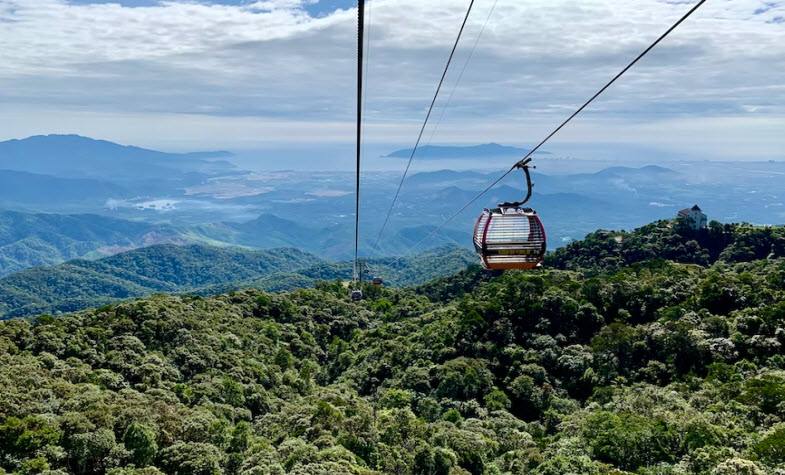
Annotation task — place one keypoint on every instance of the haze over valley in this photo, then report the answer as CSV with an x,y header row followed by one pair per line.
x,y
66,197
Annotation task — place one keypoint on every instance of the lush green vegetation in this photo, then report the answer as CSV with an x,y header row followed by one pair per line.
x,y
28,240
673,240
203,270
656,368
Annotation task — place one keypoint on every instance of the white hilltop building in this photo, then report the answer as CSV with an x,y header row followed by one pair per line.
x,y
694,217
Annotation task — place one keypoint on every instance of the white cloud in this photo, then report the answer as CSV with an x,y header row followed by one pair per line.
x,y
269,62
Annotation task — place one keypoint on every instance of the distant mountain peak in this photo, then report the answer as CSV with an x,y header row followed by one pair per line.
x,y
76,139
76,156
463,152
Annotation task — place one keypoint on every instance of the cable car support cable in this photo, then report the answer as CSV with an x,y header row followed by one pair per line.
x,y
425,124
360,45
367,56
527,158
447,103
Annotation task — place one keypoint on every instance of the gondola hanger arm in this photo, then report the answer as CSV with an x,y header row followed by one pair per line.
x,y
525,166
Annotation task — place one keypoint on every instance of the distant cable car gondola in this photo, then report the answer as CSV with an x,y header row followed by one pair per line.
x,y
356,295
378,282
510,236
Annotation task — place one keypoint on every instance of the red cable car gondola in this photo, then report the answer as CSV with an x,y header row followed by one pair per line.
x,y
510,236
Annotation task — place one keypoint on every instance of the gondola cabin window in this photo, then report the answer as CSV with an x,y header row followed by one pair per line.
x,y
510,238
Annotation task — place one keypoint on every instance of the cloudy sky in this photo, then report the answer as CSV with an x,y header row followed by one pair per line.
x,y
249,75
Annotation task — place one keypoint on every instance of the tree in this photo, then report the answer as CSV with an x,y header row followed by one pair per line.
x,y
464,378
94,452
771,448
191,458
141,441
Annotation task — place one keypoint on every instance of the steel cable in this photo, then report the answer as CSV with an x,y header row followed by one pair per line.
x,y
557,129
425,124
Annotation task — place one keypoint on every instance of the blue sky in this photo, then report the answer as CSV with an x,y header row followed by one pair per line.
x,y
248,75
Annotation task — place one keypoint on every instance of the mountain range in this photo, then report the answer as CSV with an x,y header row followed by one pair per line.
x,y
28,240
201,198
20,189
207,270
199,269
74,156
443,152
35,239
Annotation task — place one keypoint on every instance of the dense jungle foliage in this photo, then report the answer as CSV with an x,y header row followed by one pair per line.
x,y
654,368
673,240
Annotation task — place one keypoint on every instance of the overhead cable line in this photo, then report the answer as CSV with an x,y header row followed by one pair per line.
x,y
360,45
446,105
367,54
425,123
528,156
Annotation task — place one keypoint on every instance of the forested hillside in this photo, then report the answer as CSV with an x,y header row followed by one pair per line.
x,y
202,270
673,240
652,368
28,239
